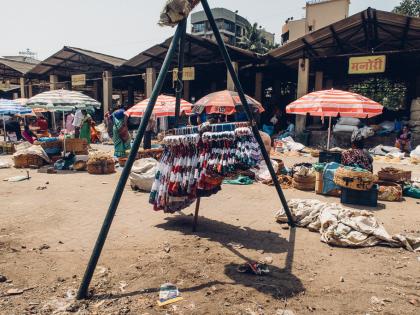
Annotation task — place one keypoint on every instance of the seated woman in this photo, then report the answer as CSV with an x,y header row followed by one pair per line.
x,y
28,135
403,141
357,156
289,132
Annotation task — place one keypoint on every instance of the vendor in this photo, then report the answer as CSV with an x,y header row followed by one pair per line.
x,y
85,126
42,123
403,141
28,135
13,126
289,132
357,156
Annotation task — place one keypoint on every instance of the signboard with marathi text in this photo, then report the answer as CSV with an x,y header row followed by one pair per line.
x,y
367,64
78,80
187,75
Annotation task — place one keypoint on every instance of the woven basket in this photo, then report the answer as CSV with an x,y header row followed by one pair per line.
x,y
101,167
304,182
28,161
150,153
395,175
77,146
389,191
7,148
355,180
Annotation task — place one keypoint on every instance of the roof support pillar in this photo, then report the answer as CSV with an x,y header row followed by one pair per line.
x,y
258,86
150,81
230,85
130,94
302,89
107,90
53,82
95,90
187,91
22,87
319,79
30,93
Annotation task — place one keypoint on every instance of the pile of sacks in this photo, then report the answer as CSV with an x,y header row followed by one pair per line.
x,y
415,116
344,227
347,124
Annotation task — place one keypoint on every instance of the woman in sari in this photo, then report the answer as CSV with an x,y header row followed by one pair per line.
x,y
85,126
120,135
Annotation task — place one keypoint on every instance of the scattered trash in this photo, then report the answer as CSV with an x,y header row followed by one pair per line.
x,y
235,245
413,302
253,267
167,248
123,285
14,291
5,164
341,279
168,294
44,246
285,312
18,178
41,188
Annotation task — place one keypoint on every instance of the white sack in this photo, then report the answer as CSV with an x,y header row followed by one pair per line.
x,y
349,121
143,174
344,128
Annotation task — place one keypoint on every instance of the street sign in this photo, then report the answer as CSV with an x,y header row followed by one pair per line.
x,y
367,64
78,80
187,75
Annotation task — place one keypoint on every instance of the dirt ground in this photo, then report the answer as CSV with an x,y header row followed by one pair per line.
x,y
46,237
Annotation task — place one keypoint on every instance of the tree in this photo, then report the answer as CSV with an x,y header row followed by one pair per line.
x,y
253,40
408,7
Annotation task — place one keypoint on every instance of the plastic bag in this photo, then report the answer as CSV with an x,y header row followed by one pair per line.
x,y
175,11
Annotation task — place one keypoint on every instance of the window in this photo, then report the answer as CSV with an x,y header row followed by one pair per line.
x,y
229,26
198,27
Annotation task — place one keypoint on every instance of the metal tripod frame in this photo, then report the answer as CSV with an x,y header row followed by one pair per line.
x,y
178,39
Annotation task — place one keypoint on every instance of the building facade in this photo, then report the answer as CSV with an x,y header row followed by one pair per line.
x,y
319,13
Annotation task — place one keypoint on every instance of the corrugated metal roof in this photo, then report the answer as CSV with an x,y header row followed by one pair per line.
x,y
198,49
370,31
21,67
72,60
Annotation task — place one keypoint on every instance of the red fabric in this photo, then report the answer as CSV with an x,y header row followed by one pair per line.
x,y
42,124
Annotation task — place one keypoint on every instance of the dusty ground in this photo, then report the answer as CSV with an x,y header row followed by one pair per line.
x,y
146,249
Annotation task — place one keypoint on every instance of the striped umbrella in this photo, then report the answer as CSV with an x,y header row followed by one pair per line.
x,y
9,107
225,103
334,103
62,100
164,107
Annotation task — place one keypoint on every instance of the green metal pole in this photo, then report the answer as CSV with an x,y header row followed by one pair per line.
x,y
179,83
248,111
84,286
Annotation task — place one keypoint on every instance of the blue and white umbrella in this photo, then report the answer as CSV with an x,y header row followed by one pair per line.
x,y
62,101
10,107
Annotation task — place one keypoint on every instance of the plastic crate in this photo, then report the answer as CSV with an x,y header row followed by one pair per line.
x,y
367,198
328,157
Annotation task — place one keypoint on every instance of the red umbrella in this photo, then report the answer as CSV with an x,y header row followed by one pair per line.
x,y
334,103
224,102
164,107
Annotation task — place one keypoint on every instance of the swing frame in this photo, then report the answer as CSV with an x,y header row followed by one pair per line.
x,y
177,40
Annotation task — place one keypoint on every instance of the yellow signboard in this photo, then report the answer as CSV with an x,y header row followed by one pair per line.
x,y
367,64
78,80
187,75
4,85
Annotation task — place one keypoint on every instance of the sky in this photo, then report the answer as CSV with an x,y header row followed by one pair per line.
x,y
124,28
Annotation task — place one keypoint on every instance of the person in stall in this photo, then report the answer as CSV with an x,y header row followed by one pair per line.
x,y
289,132
69,123
120,134
28,135
148,134
13,126
357,156
403,141
42,123
85,126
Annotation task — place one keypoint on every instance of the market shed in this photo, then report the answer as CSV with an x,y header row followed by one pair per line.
x,y
12,76
201,53
360,52
95,67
